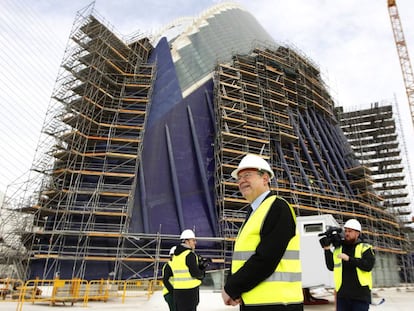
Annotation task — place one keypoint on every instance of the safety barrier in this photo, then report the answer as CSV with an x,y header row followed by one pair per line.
x,y
76,290
52,291
100,290
137,288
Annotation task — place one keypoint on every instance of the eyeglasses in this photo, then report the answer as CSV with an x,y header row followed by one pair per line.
x,y
246,175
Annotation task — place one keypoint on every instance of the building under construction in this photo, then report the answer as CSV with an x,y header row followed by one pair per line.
x,y
142,133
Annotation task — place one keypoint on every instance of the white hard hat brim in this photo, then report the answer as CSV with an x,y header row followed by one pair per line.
x,y
252,161
236,171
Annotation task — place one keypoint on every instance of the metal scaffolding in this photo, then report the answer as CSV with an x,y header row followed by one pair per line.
x,y
373,135
93,133
273,103
270,102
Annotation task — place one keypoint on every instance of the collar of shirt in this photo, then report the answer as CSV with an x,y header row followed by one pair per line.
x,y
255,204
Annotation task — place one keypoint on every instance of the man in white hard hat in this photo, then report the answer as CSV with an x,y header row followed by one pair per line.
x,y
187,273
352,262
168,290
266,269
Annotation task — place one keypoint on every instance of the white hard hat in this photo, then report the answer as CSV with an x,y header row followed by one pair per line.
x,y
353,224
187,234
172,250
253,161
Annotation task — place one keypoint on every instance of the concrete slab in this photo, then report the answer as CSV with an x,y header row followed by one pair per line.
x,y
401,299
383,299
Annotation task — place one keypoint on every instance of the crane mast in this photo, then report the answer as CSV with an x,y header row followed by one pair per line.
x,y
402,50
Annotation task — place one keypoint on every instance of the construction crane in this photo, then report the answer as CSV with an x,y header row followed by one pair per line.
x,y
402,50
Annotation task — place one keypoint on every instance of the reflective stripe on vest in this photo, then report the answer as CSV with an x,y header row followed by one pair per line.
x,y
181,273
364,277
284,285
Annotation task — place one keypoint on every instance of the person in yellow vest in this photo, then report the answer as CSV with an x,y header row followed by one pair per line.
x,y
266,269
188,272
167,274
352,262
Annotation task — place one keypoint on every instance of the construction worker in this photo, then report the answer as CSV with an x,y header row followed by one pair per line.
x,y
187,272
167,274
352,262
266,269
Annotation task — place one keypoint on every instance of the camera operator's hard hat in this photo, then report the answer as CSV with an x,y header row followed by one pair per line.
x,y
172,250
253,161
187,234
353,224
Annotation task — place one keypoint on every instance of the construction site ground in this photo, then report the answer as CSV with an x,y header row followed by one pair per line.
x,y
396,298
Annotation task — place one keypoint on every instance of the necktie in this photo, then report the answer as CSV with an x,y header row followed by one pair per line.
x,y
249,212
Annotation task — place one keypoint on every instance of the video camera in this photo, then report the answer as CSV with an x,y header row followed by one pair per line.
x,y
333,235
203,262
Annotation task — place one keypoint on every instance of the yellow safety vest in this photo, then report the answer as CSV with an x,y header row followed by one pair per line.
x,y
181,273
165,290
364,277
284,286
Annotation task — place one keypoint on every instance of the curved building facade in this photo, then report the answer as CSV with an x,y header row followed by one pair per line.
x,y
215,36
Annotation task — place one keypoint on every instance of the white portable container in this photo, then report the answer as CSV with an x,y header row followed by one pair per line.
x,y
314,271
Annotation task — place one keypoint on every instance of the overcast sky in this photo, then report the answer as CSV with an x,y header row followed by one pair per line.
x,y
350,40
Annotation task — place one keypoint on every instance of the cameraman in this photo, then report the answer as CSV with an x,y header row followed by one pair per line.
x,y
187,273
352,262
